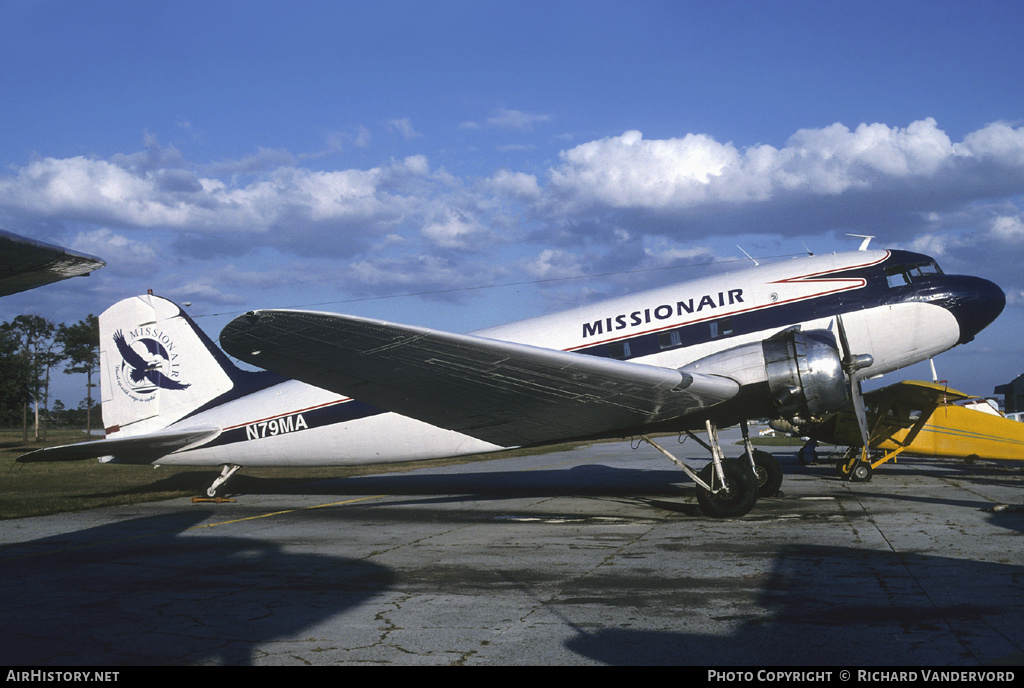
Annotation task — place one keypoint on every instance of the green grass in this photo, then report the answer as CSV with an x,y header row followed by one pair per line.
x,y
38,489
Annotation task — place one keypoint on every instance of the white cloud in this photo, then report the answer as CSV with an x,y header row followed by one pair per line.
x,y
100,192
434,275
622,201
504,118
95,190
262,160
554,264
998,141
404,128
628,171
121,253
833,159
208,289
455,230
1008,228
515,184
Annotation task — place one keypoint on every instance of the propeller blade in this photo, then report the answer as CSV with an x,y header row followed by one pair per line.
x,y
858,409
851,364
844,343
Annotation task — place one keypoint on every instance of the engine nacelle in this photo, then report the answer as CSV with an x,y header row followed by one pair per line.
x,y
803,372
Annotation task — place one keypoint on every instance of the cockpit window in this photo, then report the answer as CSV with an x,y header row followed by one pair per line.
x,y
920,269
896,276
900,275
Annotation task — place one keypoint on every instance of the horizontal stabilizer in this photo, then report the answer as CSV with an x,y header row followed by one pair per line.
x,y
501,392
140,449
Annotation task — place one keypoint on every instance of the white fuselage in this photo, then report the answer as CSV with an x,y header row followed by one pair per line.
x,y
274,426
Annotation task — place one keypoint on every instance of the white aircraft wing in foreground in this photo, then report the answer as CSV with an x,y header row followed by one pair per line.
x,y
500,392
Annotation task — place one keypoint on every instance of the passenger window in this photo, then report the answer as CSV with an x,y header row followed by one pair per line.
x,y
667,340
721,328
619,350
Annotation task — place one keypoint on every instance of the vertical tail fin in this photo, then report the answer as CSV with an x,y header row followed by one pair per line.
x,y
156,366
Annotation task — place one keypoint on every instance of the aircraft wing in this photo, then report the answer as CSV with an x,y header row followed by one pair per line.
x,y
501,392
26,263
915,393
140,449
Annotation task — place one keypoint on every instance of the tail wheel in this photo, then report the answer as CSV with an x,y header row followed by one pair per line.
x,y
861,472
736,498
768,472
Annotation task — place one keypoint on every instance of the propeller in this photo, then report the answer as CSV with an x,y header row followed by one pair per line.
x,y
852,363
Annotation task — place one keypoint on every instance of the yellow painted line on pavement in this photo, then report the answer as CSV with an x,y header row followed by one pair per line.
x,y
285,511
142,536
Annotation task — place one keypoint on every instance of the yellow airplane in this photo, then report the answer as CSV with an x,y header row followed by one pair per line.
x,y
923,419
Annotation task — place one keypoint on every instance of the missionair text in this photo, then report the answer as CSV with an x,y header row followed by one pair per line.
x,y
662,312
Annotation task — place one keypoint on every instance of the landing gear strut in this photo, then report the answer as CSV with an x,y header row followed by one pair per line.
x,y
226,472
766,467
726,488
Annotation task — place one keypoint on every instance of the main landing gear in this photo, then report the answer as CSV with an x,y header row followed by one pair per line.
x,y
766,468
728,488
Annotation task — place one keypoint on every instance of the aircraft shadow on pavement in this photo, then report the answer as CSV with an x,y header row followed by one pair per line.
x,y
837,607
141,593
159,590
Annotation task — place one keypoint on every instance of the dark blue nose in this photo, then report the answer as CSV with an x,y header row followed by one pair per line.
x,y
974,302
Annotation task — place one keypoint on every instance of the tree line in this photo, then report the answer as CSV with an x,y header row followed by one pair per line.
x,y
31,349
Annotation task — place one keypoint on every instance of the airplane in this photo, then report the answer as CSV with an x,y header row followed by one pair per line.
x,y
788,340
26,263
919,418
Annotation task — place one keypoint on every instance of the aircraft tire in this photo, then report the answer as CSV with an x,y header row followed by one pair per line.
x,y
769,473
861,472
738,499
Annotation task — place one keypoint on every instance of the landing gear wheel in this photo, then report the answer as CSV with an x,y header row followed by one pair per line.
x,y
768,472
861,472
737,497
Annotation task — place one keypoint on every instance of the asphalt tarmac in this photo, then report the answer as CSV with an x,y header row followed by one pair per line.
x,y
596,556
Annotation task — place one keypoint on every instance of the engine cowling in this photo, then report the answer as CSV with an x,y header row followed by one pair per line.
x,y
802,371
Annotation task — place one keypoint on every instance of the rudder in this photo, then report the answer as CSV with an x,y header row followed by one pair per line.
x,y
156,366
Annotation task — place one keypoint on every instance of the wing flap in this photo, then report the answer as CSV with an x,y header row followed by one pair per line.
x,y
502,392
140,449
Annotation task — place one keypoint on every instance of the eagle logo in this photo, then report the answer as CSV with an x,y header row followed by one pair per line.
x,y
144,367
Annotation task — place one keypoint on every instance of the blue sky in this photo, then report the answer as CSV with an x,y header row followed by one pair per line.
x,y
399,159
